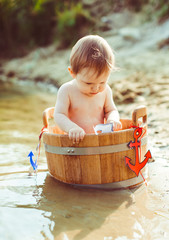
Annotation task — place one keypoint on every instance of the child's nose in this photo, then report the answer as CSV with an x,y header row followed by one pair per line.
x,y
95,87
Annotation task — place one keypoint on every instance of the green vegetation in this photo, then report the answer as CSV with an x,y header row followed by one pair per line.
x,y
72,24
26,24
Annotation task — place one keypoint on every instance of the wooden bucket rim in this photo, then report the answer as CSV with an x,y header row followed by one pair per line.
x,y
93,134
89,134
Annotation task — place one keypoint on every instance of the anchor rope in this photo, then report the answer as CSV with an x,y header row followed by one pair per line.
x,y
44,129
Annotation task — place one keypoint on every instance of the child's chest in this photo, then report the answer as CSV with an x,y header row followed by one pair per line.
x,y
87,105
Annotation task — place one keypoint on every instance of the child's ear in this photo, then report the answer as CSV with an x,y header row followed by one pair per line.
x,y
71,72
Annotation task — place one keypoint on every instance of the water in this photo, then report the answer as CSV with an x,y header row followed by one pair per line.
x,y
39,207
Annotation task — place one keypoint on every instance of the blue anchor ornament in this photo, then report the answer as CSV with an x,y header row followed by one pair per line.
x,y
34,164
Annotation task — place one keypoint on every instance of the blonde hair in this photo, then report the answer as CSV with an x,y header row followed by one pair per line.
x,y
94,52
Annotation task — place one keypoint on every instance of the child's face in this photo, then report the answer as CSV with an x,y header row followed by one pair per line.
x,y
88,82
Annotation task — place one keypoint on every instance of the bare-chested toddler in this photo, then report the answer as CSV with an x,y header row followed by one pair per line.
x,y
87,100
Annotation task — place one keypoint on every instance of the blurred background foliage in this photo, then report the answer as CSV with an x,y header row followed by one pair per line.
x,y
27,24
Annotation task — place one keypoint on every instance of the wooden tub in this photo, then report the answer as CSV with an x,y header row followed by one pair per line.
x,y
97,161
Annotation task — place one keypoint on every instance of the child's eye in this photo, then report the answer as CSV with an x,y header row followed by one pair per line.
x,y
88,83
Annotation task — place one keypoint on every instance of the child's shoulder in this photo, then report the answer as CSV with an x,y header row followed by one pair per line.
x,y
108,92
108,89
66,86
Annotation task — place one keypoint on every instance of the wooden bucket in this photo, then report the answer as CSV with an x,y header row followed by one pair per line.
x,y
99,160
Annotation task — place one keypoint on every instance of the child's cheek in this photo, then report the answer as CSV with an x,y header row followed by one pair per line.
x,y
102,88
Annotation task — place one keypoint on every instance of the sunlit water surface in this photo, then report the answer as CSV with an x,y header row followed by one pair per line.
x,y
39,207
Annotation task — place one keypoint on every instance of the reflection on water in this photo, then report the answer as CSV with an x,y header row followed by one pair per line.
x,y
39,207
46,209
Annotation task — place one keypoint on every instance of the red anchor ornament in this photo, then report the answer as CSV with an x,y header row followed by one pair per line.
x,y
136,144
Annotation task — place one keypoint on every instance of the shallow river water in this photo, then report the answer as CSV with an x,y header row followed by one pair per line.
x,y
38,207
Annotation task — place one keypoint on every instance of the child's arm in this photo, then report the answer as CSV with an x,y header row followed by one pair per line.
x,y
61,115
111,113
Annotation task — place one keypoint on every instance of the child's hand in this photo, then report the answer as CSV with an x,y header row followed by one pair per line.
x,y
116,125
76,134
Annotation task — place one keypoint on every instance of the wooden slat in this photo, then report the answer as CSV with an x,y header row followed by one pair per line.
x,y
90,165
55,162
72,163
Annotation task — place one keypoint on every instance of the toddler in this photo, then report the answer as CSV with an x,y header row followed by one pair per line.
x,y
87,100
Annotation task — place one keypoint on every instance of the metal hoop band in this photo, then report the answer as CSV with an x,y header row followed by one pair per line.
x,y
90,150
